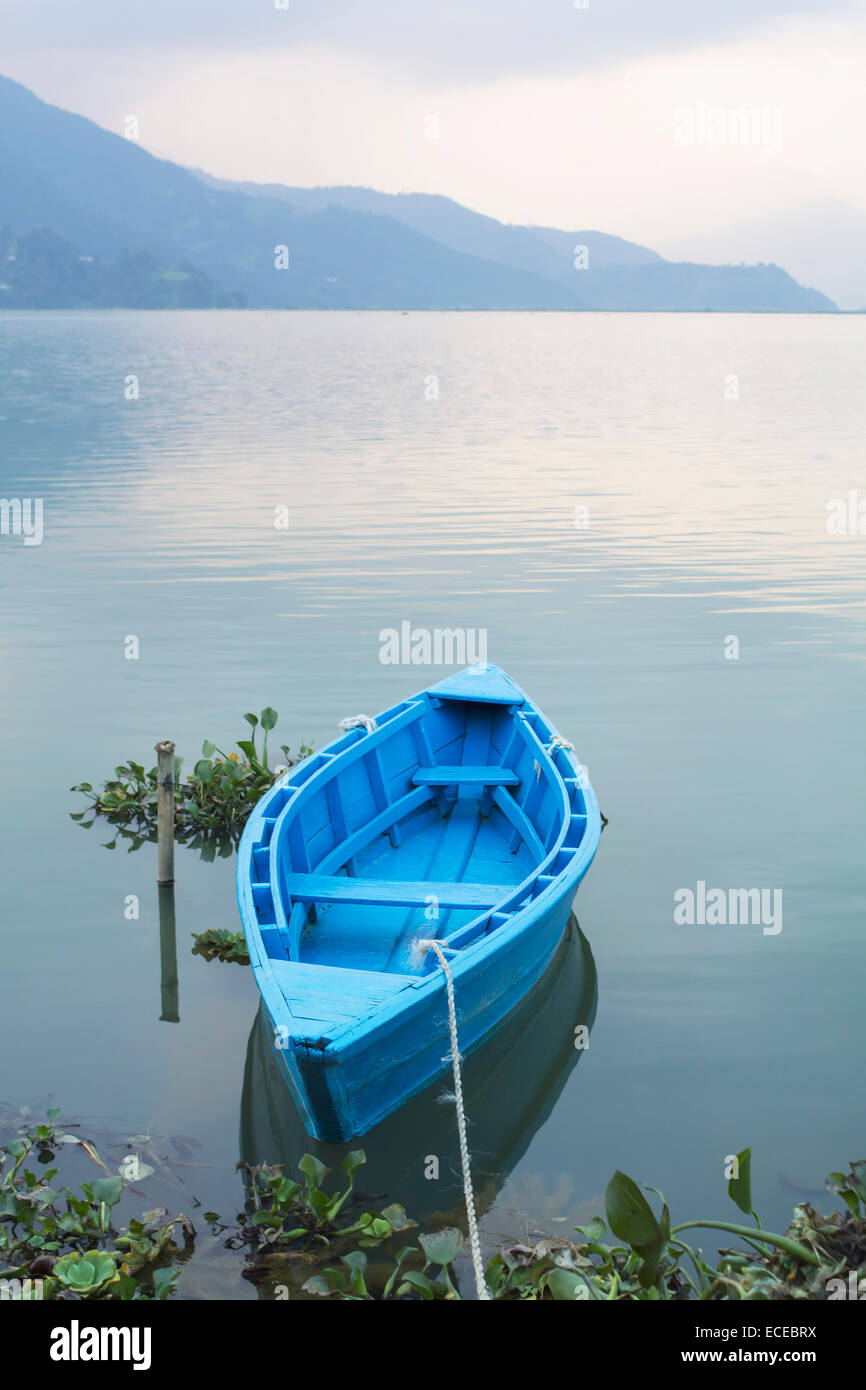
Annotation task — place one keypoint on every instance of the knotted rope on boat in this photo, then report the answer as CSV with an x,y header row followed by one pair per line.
x,y
358,721
474,1243
558,742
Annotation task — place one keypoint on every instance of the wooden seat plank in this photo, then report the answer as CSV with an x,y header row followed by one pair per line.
x,y
321,888
464,776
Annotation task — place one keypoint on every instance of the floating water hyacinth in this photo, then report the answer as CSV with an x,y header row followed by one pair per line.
x,y
305,1238
210,807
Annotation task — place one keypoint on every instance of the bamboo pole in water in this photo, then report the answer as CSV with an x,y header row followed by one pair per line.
x,y
165,812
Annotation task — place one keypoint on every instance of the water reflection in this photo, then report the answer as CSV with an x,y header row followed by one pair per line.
x,y
511,1084
168,954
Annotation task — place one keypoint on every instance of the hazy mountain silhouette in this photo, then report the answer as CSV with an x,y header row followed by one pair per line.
x,y
539,250
102,196
617,274
821,242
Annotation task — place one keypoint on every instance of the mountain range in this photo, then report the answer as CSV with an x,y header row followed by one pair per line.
x,y
90,219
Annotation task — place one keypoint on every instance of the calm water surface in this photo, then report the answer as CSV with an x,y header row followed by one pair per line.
x,y
706,504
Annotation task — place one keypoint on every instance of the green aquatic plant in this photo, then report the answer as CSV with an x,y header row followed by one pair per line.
x,y
64,1241
310,1238
210,807
218,943
280,1210
86,1274
647,1259
348,1282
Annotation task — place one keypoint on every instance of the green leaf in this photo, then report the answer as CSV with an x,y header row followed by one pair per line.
x,y
838,1183
124,1287
251,719
284,1190
740,1187
332,1281
353,1161
395,1215
629,1214
204,771
208,749
402,1255
314,1171
565,1285
164,1281
594,1230
269,718
417,1283
630,1217
443,1247
320,1202
858,1174
107,1190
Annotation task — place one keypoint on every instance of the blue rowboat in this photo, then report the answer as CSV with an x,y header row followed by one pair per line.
x,y
461,816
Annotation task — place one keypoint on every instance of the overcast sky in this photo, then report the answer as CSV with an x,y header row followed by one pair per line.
x,y
531,110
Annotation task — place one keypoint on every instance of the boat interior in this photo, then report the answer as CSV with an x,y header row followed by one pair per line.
x,y
443,822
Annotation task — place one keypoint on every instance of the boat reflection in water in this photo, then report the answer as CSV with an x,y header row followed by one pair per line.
x,y
511,1084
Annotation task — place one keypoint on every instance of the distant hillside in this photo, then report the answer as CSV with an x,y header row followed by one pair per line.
x,y
90,193
107,196
539,250
680,286
616,274
822,242
40,270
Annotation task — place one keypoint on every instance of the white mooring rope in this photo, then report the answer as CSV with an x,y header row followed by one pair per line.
x,y
558,742
359,721
474,1242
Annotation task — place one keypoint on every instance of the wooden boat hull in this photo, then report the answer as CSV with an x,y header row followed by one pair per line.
x,y
462,816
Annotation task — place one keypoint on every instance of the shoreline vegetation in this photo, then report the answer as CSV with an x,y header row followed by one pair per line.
x,y
300,1239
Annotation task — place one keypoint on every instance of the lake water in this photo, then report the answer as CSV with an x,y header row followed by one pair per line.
x,y
633,509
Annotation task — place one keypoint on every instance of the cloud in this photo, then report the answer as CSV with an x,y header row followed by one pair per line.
x,y
452,41
572,150
566,146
